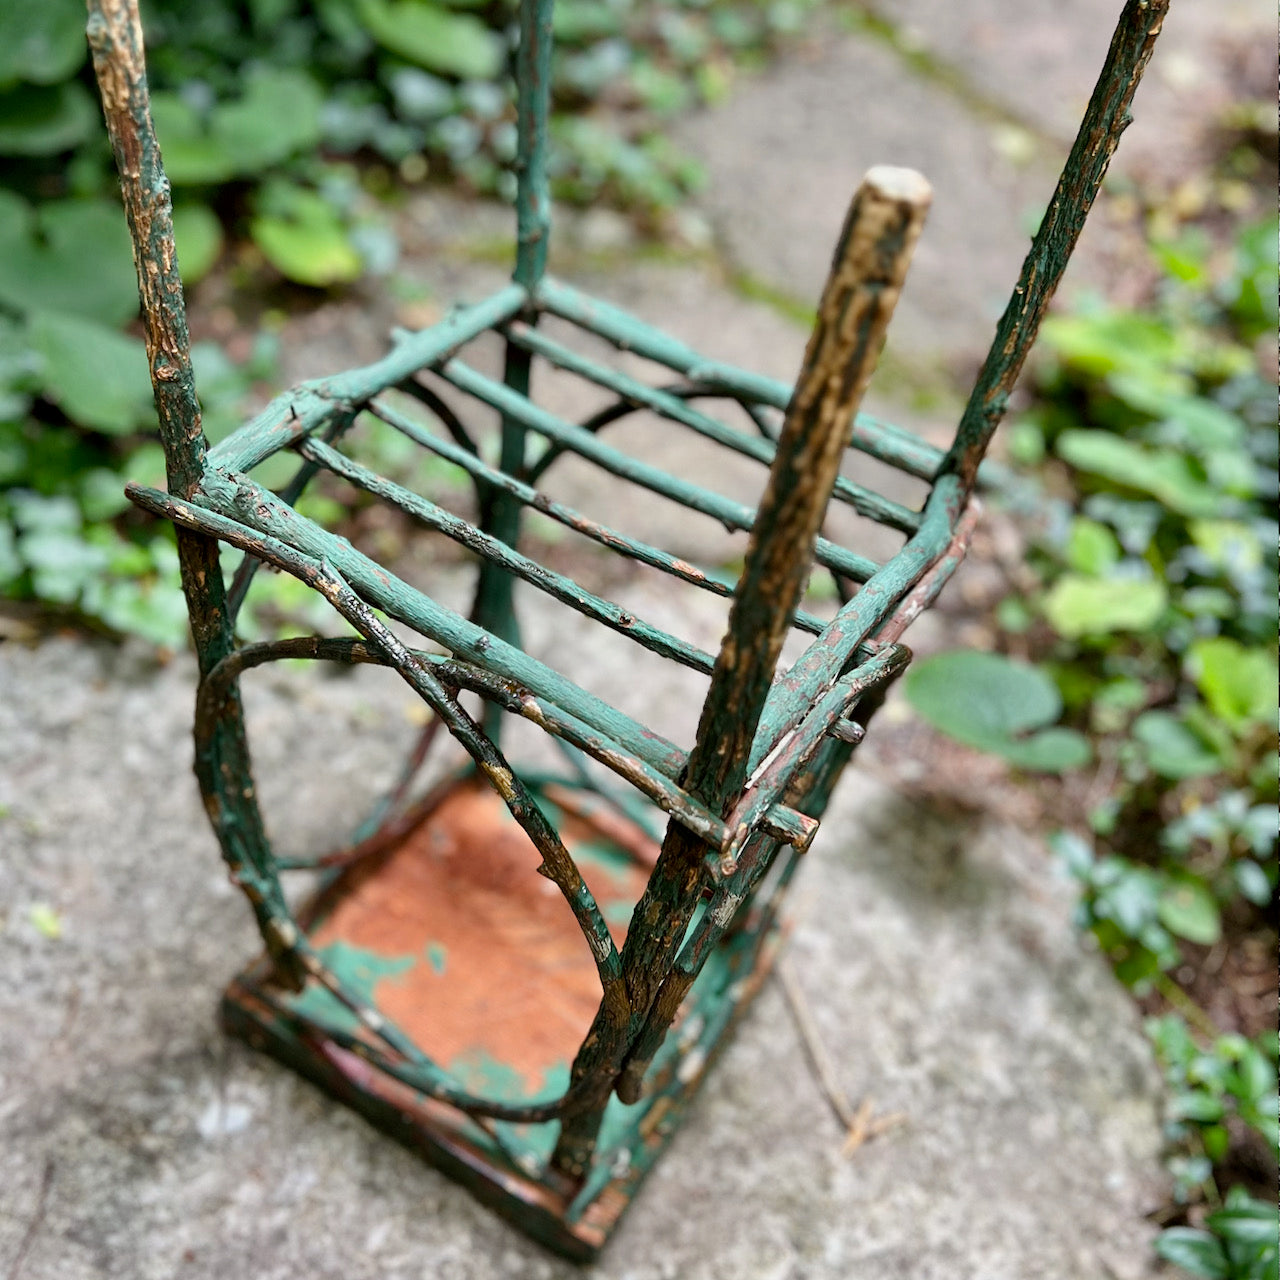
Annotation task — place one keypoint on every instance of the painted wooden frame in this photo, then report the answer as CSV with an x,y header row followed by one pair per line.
x,y
740,807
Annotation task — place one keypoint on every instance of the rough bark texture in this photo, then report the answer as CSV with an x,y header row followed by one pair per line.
x,y
1105,119
223,767
870,263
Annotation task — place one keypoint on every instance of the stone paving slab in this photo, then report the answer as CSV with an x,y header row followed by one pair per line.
x,y
1038,59
937,955
785,153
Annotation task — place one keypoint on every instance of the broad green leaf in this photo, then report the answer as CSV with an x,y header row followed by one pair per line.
x,y
197,234
68,255
277,116
1251,880
1049,751
581,21
986,701
1264,777
1249,1221
1195,1251
1118,697
192,155
1255,1076
1185,258
1204,425
1173,750
305,238
1131,899
1228,543
19,379
1255,304
1208,602
1166,475
36,513
968,694
41,41
1188,909
102,494
156,611
452,44
145,465
1197,1106
1076,605
1109,341
61,562
1239,684
96,376
1091,547
421,96
44,120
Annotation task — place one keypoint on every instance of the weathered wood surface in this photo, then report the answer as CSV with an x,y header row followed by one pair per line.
x,y
871,259
766,753
223,768
1105,118
870,264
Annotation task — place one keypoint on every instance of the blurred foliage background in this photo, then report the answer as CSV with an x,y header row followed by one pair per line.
x,y
1135,676
1145,618
287,126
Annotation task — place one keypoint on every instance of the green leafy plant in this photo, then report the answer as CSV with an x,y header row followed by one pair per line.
x,y
1148,599
991,702
278,120
1155,613
1240,1244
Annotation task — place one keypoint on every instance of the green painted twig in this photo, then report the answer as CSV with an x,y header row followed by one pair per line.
x,y
782,822
533,110
601,534
1105,119
870,264
863,500
627,332
307,407
222,767
733,515
512,563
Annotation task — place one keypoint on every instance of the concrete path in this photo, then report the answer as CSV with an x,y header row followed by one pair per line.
x,y
983,97
136,1142
937,953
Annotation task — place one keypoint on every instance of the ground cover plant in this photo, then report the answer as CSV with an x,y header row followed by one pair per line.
x,y
287,127
1146,620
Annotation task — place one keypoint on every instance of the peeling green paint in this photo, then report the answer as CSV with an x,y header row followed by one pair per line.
x,y
360,972
744,801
